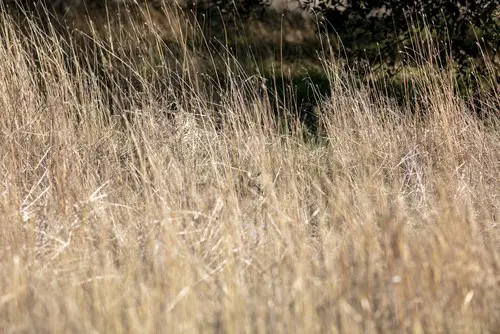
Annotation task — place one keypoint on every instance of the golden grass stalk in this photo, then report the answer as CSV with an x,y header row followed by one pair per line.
x,y
183,221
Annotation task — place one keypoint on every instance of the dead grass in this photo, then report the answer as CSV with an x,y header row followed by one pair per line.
x,y
183,221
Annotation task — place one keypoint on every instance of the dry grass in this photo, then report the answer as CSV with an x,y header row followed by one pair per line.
x,y
192,223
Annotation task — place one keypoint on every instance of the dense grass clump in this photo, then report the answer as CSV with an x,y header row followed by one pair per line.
x,y
141,192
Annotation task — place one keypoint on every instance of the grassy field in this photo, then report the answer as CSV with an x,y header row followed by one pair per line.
x,y
140,195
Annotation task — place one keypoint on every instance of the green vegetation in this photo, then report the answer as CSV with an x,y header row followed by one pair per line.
x,y
159,175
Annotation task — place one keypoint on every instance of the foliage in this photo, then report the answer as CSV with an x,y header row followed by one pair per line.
x,y
388,26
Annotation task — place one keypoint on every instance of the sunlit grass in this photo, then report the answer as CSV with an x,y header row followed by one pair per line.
x,y
129,206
